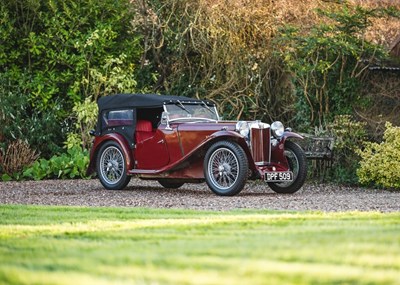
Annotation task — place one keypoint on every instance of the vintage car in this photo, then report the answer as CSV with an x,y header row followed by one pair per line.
x,y
177,140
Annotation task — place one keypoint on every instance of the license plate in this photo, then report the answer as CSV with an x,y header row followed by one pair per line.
x,y
278,176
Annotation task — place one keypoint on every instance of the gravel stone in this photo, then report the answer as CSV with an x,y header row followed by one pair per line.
x,y
150,194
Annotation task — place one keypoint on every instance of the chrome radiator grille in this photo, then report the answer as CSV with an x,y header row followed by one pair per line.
x,y
260,137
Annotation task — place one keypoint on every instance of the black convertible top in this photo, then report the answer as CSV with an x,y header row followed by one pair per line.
x,y
142,101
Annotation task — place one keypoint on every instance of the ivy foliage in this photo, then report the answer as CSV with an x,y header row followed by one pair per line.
x,y
327,64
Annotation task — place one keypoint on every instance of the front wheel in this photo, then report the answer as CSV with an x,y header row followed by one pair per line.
x,y
226,168
296,159
111,166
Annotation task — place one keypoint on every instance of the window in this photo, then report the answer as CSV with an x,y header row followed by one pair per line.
x,y
119,118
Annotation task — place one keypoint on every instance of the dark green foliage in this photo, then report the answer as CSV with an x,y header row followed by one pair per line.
x,y
59,41
42,129
53,53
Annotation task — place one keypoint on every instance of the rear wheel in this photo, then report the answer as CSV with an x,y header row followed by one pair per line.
x,y
297,164
111,166
226,168
170,184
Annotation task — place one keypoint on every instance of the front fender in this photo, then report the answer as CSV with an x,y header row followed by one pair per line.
x,y
226,133
287,134
99,141
277,154
231,135
218,136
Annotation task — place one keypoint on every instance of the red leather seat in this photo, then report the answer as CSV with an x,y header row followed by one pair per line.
x,y
144,130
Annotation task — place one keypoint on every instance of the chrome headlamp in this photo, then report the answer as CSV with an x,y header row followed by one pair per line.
x,y
277,129
243,128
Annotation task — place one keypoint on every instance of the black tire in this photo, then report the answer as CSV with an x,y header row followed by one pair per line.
x,y
226,168
111,166
170,184
297,164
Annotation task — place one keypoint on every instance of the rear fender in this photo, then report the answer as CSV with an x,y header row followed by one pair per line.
x,y
99,141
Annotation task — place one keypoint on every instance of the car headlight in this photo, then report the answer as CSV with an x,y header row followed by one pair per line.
x,y
243,128
277,129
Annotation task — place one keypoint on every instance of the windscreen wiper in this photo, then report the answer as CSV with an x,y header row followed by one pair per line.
x,y
208,108
180,105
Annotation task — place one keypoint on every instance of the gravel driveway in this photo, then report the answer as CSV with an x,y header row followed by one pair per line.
x,y
141,193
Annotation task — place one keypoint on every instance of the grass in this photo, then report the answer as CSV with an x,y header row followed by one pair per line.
x,y
74,245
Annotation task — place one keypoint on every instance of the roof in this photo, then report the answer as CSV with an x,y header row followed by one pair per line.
x,y
119,101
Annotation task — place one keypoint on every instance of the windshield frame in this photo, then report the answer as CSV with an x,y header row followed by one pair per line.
x,y
183,111
189,112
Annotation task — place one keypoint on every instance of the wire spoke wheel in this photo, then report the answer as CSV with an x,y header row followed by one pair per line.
x,y
111,167
225,168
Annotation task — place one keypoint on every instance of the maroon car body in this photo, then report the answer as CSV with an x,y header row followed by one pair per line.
x,y
178,140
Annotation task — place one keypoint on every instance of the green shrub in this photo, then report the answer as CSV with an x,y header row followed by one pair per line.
x,y
72,164
349,136
43,130
53,55
379,163
64,44
85,116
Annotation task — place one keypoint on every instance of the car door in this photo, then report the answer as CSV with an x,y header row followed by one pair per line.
x,y
151,151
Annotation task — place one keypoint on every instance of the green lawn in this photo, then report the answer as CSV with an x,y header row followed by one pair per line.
x,y
71,245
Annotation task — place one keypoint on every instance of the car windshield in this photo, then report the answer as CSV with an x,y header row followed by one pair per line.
x,y
181,111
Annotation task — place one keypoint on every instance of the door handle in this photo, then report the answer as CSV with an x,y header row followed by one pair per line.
x,y
161,141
